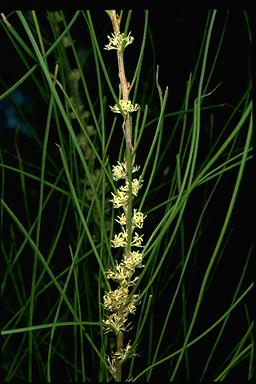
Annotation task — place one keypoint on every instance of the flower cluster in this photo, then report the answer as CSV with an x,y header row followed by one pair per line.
x,y
118,41
122,355
120,199
118,303
125,106
137,219
120,171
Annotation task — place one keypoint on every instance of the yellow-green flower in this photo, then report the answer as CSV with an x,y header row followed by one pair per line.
x,y
136,185
119,171
120,199
125,107
120,240
118,41
137,219
137,240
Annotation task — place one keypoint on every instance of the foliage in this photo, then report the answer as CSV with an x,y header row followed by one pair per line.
x,y
194,319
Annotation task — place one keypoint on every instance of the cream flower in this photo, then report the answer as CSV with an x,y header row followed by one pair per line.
x,y
137,219
120,171
113,300
121,274
136,185
125,107
124,353
131,307
137,240
121,219
120,199
118,41
120,240
112,365
115,323
133,260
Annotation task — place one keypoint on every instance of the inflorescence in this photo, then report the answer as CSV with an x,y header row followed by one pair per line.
x,y
116,302
118,41
120,302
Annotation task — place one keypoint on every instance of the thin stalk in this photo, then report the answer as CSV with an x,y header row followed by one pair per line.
x,y
124,90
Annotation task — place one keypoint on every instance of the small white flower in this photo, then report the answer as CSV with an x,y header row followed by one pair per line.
x,y
125,107
124,353
121,274
131,307
113,300
137,240
120,240
135,168
119,171
118,41
136,185
112,365
120,199
115,323
138,219
134,260
121,219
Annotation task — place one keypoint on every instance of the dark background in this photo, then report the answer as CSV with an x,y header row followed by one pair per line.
x,y
177,36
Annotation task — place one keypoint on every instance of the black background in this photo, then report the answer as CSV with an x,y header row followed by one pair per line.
x,y
177,35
